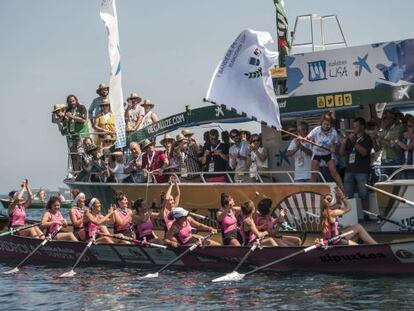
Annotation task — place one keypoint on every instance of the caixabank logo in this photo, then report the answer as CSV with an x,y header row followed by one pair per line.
x,y
404,253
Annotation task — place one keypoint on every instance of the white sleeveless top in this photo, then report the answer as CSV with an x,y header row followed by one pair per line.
x,y
147,120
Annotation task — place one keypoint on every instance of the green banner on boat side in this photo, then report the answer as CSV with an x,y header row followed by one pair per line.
x,y
203,115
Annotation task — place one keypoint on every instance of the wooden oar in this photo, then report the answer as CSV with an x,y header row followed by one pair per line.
x,y
49,237
72,273
408,228
235,276
133,240
15,230
190,249
305,140
251,250
391,195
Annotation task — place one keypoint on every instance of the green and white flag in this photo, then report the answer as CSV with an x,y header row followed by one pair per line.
x,y
109,17
283,40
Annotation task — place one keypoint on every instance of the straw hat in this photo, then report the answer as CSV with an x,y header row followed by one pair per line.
x,y
91,148
166,137
117,153
133,96
105,102
147,102
108,137
244,130
101,87
186,132
179,138
58,107
147,143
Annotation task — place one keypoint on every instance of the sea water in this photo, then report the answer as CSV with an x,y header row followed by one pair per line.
x,y
110,288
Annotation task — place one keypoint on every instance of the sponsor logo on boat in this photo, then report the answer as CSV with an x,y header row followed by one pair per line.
x,y
166,123
358,256
404,254
15,248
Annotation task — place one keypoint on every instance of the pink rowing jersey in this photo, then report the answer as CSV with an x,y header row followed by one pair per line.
x,y
229,222
144,229
168,219
79,215
91,228
184,233
333,229
54,217
268,220
123,213
247,236
18,216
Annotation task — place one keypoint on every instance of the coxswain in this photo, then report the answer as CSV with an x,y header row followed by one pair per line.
x,y
227,220
122,217
52,219
94,222
330,223
142,219
265,222
248,229
17,211
180,232
76,214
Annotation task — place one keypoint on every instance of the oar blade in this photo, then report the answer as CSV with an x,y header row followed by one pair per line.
x,y
15,270
150,276
69,274
229,277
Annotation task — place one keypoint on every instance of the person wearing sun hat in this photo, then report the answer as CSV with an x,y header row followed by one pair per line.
x,y
180,232
59,118
134,113
154,161
168,143
192,150
149,116
95,107
105,121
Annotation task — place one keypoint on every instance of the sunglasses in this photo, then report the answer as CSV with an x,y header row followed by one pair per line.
x,y
234,136
107,141
255,141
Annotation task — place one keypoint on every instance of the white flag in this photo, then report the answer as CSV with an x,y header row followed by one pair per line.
x,y
110,19
242,79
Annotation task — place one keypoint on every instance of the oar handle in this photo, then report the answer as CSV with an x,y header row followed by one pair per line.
x,y
11,231
391,195
305,139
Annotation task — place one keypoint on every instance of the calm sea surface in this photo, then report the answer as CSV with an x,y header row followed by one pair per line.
x,y
100,288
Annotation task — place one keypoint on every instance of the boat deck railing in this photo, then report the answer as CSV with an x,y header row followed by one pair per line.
x,y
232,177
393,172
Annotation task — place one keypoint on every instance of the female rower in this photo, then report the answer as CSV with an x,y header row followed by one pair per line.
x,y
248,229
265,222
17,211
142,218
76,214
180,231
227,219
52,219
122,217
330,223
326,136
169,203
94,222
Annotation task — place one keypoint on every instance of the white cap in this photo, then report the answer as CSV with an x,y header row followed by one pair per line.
x,y
179,212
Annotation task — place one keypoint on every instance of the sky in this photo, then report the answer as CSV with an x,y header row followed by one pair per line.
x,y
169,50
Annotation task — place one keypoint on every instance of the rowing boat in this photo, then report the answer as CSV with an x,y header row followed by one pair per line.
x,y
394,255
37,204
